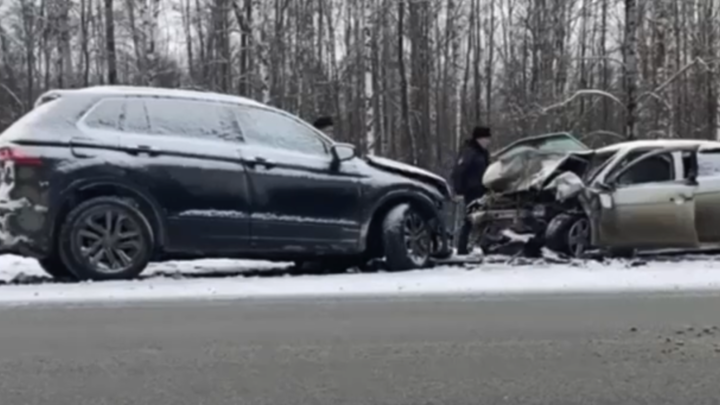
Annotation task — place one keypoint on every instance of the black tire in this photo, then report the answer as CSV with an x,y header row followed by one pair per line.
x,y
137,248
55,267
560,235
396,231
326,266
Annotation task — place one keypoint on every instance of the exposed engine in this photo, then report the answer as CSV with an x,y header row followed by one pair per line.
x,y
527,193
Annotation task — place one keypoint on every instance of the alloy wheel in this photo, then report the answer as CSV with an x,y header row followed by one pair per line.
x,y
578,237
110,241
418,240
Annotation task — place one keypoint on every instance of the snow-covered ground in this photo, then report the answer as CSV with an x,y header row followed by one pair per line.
x,y
244,279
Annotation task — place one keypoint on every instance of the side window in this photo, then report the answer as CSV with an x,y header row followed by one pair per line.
x,y
653,169
708,164
194,119
268,128
135,118
631,156
105,115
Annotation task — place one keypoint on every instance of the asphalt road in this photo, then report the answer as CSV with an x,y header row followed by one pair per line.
x,y
573,350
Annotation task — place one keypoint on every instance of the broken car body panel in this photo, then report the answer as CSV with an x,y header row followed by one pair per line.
x,y
530,162
638,195
633,213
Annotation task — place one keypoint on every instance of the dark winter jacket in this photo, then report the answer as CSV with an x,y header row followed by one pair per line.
x,y
469,170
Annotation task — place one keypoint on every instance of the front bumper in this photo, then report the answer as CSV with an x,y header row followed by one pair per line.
x,y
506,215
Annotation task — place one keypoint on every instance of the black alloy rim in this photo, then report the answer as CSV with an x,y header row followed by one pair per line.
x,y
418,240
110,241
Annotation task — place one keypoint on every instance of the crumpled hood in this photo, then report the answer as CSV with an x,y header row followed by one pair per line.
x,y
530,169
410,171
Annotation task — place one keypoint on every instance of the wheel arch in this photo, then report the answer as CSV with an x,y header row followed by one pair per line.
x,y
371,232
84,190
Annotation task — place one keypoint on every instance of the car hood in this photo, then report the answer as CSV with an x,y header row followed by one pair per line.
x,y
525,171
410,171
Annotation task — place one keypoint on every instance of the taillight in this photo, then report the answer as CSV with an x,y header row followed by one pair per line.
x,y
8,154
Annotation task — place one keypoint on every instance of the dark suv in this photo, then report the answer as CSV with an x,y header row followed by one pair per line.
x,y
97,182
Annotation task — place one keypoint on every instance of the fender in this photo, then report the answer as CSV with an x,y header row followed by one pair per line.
x,y
131,188
416,195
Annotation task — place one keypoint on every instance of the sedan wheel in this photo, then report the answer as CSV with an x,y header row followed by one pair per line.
x,y
578,237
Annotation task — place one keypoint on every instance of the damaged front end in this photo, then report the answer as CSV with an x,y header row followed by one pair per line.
x,y
528,193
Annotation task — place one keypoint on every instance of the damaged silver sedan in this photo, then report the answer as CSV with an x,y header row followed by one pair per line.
x,y
554,192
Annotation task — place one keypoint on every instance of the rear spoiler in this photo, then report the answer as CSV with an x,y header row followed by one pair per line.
x,y
48,96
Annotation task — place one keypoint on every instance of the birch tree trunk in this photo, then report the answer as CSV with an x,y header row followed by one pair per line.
x,y
631,76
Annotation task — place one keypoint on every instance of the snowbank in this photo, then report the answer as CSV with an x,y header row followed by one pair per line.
x,y
12,267
485,279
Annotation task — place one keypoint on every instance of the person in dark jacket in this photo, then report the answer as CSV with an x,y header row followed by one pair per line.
x,y
325,124
468,175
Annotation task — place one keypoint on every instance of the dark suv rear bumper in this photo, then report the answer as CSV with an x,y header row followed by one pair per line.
x,y
21,230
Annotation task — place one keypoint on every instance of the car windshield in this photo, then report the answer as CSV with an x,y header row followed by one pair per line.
x,y
597,163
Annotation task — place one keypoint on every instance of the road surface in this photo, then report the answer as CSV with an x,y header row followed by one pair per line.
x,y
655,349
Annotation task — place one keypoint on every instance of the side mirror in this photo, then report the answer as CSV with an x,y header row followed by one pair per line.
x,y
343,152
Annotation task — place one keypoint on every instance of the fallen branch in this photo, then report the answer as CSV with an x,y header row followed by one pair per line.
x,y
671,79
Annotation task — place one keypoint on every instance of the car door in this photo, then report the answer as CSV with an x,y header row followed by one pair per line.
x,y
707,196
185,152
300,199
648,203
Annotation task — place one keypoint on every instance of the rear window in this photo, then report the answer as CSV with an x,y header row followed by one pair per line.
x,y
42,109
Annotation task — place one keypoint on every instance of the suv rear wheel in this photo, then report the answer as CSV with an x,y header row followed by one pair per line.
x,y
106,238
407,238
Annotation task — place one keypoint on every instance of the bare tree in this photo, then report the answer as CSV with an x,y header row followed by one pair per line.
x,y
403,78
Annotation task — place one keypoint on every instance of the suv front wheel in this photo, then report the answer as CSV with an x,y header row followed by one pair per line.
x,y
407,238
106,238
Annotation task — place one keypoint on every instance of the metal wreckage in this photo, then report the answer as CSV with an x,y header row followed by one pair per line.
x,y
553,192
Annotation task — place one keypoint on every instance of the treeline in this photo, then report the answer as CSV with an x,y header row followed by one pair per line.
x,y
403,78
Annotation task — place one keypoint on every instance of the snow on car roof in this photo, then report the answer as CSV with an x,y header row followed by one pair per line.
x,y
655,143
158,91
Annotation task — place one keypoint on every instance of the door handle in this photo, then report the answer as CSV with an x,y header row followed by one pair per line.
x,y
260,161
680,199
138,149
